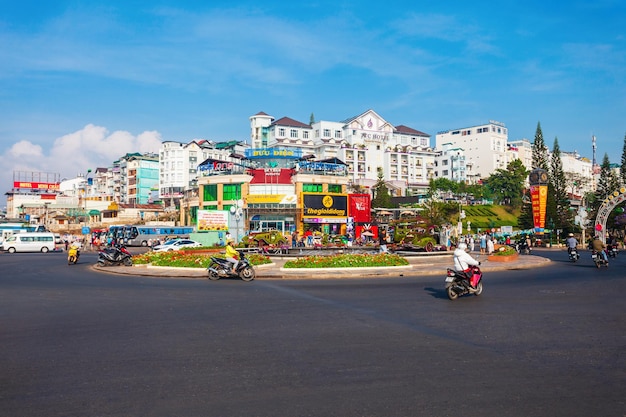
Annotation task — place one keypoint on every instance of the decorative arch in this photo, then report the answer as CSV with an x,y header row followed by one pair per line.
x,y
609,203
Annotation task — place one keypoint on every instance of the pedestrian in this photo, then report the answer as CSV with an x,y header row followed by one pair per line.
x,y
483,243
490,247
471,243
382,241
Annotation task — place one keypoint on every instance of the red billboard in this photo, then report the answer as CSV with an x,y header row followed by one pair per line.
x,y
360,207
271,175
36,185
539,197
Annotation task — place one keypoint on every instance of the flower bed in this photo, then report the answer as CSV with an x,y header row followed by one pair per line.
x,y
187,259
503,254
347,261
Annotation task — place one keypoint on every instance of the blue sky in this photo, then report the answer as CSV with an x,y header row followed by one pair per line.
x,y
87,81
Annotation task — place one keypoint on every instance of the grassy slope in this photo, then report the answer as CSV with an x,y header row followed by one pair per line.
x,y
484,217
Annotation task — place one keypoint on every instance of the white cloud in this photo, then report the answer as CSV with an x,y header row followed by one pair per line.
x,y
75,153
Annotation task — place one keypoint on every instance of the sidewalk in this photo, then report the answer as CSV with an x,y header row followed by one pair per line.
x,y
419,266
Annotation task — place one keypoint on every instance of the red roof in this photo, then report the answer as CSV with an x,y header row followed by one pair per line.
x,y
286,121
409,131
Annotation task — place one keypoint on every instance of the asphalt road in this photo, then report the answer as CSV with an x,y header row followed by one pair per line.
x,y
75,342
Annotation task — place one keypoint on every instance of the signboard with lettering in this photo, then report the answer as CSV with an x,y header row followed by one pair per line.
x,y
261,153
325,205
212,220
271,175
539,197
36,185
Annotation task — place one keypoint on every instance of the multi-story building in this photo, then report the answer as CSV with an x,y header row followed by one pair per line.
x,y
178,164
365,143
485,146
139,175
450,163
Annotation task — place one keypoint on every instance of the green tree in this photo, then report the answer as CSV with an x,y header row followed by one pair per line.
x,y
525,219
381,192
442,185
311,119
507,184
540,150
558,199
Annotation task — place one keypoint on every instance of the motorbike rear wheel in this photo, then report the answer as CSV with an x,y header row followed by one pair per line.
x,y
213,276
247,274
451,294
128,262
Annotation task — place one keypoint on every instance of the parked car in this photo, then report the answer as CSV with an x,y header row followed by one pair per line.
x,y
176,244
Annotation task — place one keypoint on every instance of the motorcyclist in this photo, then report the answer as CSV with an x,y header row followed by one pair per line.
x,y
571,243
463,261
599,246
232,255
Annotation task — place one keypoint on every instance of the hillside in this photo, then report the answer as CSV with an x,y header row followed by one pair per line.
x,y
487,217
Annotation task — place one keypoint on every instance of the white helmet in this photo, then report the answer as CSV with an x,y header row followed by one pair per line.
x,y
462,246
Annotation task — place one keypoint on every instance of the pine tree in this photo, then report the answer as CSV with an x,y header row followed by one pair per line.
x,y
381,193
560,207
312,119
540,150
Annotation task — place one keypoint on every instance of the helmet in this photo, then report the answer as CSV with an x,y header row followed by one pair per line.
x,y
462,246
571,235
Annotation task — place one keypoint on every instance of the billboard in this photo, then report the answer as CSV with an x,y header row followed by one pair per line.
x,y
539,198
325,205
36,185
360,207
212,220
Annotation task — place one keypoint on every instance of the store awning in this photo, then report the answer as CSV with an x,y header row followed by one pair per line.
x,y
94,212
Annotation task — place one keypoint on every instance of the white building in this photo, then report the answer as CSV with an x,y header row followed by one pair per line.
x,y
450,163
365,143
485,146
178,163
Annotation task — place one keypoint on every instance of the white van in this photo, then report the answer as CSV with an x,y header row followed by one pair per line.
x,y
29,242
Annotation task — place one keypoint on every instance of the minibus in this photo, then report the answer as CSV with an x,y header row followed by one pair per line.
x,y
29,242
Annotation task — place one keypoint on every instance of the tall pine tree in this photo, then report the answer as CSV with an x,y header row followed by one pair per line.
x,y
540,151
559,204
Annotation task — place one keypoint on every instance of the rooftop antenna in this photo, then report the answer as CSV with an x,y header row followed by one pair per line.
x,y
593,146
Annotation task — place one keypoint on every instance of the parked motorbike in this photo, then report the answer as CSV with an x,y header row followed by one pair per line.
x,y
523,247
222,268
598,259
458,284
612,251
115,255
73,253
573,255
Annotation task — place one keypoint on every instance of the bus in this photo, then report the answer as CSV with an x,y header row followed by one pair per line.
x,y
8,229
29,242
142,235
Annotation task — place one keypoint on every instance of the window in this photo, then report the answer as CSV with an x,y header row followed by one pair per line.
x,y
209,193
281,132
312,188
232,191
337,134
305,134
326,133
293,133
334,188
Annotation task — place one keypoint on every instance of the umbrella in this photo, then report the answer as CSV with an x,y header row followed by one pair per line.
x,y
367,234
407,212
384,213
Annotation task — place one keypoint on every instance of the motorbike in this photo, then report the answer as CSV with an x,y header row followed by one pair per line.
x,y
612,251
222,268
73,253
523,247
598,259
573,254
115,255
458,284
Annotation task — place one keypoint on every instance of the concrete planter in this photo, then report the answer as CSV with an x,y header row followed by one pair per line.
x,y
504,258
